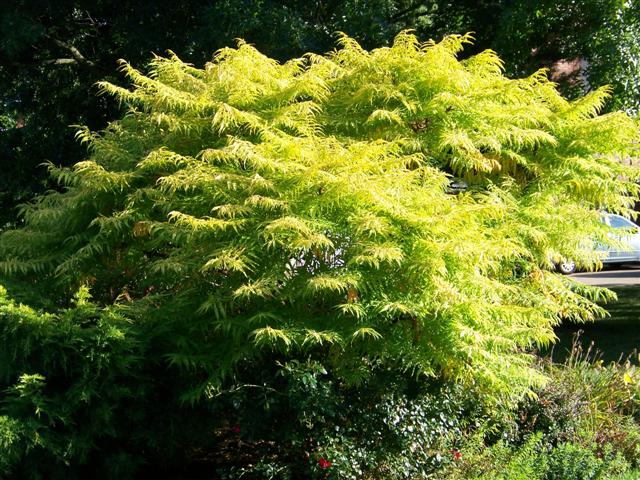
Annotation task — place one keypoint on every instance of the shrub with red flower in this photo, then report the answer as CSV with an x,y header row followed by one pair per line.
x,y
323,463
456,455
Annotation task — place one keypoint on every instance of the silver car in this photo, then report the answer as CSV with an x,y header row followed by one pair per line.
x,y
631,238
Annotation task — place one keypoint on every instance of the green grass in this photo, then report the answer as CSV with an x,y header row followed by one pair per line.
x,y
615,336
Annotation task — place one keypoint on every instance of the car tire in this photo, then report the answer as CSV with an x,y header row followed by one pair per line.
x,y
567,267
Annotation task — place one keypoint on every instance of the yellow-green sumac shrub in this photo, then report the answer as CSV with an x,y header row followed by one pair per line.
x,y
250,210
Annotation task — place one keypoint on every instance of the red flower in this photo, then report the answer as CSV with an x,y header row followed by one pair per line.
x,y
323,463
456,454
235,429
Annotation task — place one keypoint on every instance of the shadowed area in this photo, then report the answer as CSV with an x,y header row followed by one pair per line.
x,y
616,336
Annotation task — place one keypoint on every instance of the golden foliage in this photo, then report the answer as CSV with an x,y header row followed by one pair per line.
x,y
306,205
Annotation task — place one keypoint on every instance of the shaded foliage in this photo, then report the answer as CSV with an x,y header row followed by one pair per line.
x,y
604,34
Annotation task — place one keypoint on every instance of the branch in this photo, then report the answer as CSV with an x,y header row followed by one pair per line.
x,y
75,53
402,13
60,61
246,385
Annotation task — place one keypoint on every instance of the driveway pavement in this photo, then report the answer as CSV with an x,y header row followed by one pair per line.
x,y
617,276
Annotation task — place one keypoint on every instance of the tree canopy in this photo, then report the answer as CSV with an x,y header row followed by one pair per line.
x,y
251,206
52,54
603,34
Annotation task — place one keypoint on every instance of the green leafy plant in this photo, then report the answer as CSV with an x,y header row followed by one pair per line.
x,y
587,403
534,459
65,375
390,426
252,212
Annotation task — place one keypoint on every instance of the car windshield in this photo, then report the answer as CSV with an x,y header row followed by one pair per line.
x,y
620,222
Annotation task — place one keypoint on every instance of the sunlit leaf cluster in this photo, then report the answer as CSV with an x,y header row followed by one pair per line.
x,y
251,208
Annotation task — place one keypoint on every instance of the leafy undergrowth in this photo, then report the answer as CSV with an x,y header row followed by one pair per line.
x,y
296,419
583,425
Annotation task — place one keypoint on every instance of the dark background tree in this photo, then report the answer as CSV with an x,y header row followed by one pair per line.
x,y
587,44
53,52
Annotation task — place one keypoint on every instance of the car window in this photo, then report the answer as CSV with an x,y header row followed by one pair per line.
x,y
620,222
